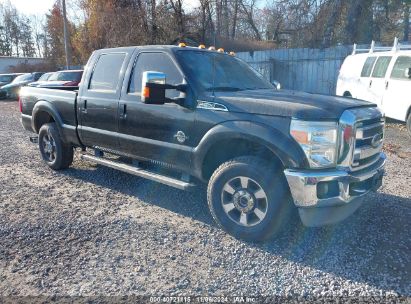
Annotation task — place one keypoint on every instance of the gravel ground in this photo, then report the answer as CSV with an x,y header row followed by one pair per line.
x,y
91,230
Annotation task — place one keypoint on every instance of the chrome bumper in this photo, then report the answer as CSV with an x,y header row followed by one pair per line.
x,y
309,190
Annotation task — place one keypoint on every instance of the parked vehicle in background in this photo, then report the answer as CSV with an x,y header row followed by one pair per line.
x,y
64,79
43,79
382,76
12,89
8,78
203,116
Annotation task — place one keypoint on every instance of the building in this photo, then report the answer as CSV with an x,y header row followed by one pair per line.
x,y
7,63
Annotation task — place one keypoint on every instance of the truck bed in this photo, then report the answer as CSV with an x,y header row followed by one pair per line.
x,y
62,100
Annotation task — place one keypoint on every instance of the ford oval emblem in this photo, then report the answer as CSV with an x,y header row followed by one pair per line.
x,y
376,140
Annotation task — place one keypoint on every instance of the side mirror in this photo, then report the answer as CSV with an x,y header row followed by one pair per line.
x,y
276,84
407,73
153,87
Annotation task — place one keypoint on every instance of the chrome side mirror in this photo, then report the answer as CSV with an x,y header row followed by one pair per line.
x,y
153,90
276,84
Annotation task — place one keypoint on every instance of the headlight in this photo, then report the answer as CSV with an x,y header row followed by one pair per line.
x,y
318,140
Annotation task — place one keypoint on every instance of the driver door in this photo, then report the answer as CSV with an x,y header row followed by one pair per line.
x,y
155,132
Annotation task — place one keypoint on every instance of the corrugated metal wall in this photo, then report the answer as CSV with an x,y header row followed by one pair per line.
x,y
309,70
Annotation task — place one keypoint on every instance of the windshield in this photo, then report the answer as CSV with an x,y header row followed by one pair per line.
x,y
6,78
66,76
230,73
45,77
21,78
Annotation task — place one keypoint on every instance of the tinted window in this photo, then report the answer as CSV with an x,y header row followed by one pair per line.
x,y
106,73
381,67
213,71
45,76
402,63
158,62
367,68
67,76
6,78
22,78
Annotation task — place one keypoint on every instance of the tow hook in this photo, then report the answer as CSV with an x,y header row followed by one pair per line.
x,y
34,139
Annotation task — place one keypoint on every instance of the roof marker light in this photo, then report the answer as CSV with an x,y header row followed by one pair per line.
x,y
182,44
212,48
220,50
232,53
201,46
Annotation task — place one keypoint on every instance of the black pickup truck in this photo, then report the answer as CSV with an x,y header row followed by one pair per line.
x,y
183,116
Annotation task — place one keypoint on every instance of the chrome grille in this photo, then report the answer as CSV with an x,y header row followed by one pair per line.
x,y
361,138
368,143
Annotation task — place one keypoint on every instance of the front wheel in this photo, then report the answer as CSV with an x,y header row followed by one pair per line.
x,y
249,198
56,154
408,122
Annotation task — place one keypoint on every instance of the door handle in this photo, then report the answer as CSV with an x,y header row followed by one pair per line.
x,y
370,83
123,113
387,83
84,110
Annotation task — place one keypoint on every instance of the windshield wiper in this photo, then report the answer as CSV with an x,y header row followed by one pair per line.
x,y
224,89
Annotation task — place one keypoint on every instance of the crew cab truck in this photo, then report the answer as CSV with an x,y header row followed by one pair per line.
x,y
208,117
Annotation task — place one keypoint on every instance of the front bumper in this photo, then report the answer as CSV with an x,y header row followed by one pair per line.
x,y
329,196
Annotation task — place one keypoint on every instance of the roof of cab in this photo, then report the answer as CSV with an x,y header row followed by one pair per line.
x,y
129,49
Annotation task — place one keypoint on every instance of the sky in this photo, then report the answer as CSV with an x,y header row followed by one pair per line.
x,y
39,7
32,7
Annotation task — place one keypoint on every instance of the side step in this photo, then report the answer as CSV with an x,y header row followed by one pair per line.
x,y
166,180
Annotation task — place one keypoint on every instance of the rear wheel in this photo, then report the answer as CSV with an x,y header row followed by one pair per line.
x,y
54,152
249,198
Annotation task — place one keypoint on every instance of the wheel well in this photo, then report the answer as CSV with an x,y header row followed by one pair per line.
x,y
408,114
225,150
347,94
41,119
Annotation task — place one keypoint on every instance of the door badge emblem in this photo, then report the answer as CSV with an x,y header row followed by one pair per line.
x,y
181,137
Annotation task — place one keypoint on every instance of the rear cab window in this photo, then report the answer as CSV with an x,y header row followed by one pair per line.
x,y
368,65
401,64
381,66
106,74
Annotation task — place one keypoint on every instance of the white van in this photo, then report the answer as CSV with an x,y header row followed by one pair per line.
x,y
382,76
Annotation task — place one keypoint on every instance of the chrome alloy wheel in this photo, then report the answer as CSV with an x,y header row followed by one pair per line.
x,y
244,201
49,147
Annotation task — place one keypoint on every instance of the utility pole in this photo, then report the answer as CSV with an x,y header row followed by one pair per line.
x,y
66,35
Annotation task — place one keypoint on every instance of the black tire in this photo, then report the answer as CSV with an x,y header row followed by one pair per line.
x,y
347,94
277,202
56,154
408,123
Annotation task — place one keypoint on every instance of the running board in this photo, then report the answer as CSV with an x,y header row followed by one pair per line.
x,y
166,180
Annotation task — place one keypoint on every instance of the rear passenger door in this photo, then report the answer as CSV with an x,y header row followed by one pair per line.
x,y
98,101
397,99
379,82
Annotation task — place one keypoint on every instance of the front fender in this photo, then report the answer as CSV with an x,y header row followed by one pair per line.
x,y
283,146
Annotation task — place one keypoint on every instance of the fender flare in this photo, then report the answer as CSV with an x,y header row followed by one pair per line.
x,y
49,108
284,147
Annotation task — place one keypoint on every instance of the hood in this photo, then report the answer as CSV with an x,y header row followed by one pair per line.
x,y
288,104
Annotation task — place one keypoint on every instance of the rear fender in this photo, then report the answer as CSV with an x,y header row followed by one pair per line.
x,y
47,107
